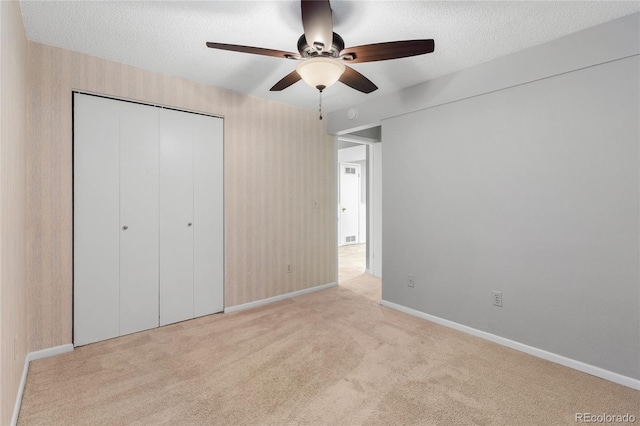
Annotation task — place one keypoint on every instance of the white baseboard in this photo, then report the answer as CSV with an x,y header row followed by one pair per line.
x,y
23,381
276,298
540,353
32,356
46,353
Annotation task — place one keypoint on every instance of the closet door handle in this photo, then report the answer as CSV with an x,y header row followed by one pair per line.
x,y
189,224
125,227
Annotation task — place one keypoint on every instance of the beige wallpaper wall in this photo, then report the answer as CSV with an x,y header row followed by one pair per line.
x,y
13,287
279,161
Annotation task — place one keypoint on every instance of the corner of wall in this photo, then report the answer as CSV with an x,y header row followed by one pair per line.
x,y
13,308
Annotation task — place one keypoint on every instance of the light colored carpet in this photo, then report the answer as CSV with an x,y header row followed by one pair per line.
x,y
352,264
351,261
333,357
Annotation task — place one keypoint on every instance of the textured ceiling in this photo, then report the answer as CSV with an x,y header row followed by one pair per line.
x,y
169,37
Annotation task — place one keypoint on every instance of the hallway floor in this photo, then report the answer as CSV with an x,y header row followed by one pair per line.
x,y
352,263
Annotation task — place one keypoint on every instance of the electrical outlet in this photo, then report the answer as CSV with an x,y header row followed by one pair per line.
x,y
412,280
497,298
288,269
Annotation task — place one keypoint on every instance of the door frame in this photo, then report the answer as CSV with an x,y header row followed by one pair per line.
x,y
373,202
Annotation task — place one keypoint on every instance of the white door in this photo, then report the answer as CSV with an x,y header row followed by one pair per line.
x,y
176,217
138,217
148,217
208,215
349,208
96,274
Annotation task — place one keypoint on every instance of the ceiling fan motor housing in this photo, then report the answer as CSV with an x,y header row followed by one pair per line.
x,y
306,51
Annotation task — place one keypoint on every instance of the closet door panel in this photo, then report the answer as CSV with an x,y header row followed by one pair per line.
x,y
208,215
176,217
95,225
139,241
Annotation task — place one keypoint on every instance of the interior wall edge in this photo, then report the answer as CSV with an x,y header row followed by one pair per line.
x,y
20,392
32,356
13,127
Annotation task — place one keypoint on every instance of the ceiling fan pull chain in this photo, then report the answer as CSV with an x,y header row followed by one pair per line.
x,y
320,109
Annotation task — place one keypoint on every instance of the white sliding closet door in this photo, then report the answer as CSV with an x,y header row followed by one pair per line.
x,y
176,216
208,216
139,242
96,219
148,217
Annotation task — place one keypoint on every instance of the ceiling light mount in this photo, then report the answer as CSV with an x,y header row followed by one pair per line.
x,y
337,45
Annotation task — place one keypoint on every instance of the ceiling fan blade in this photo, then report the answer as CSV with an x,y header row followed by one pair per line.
x,y
254,50
354,79
389,50
317,24
288,80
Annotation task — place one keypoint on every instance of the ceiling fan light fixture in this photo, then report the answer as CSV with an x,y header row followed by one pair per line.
x,y
320,71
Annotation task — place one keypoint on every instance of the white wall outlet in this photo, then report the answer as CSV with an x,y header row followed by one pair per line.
x,y
497,298
412,281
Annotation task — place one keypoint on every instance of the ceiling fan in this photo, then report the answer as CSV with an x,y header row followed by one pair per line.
x,y
323,57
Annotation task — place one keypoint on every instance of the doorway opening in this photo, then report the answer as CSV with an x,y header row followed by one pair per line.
x,y
352,213
358,204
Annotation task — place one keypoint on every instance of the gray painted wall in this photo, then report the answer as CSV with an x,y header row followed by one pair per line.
x,y
531,190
